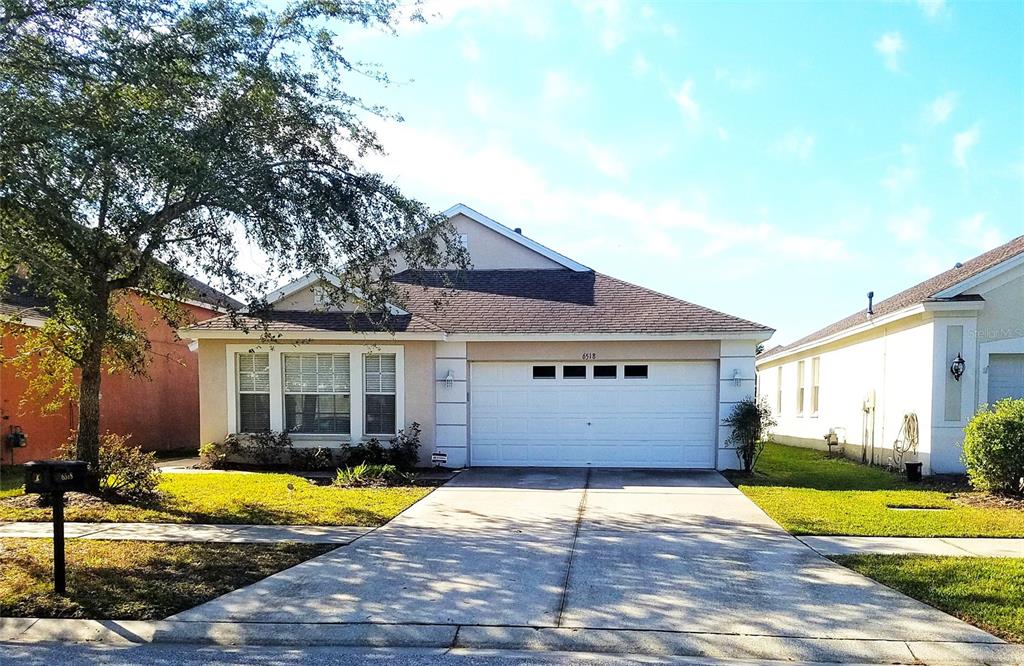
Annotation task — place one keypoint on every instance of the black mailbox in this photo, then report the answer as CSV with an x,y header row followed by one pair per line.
x,y
55,476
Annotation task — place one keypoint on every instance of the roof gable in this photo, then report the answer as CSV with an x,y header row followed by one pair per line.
x,y
513,236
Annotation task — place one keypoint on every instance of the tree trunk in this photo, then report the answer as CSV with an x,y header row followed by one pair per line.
x,y
87,445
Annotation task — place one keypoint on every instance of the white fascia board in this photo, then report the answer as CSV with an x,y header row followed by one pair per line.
x,y
494,225
312,278
29,322
284,336
755,336
982,277
920,308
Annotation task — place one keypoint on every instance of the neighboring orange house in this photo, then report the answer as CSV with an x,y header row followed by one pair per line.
x,y
160,411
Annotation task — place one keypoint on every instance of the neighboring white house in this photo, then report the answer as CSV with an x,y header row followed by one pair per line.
x,y
863,375
527,359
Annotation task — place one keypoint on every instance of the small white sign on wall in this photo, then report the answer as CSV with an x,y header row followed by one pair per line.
x,y
439,458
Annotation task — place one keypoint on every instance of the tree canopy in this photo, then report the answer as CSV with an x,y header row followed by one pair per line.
x,y
141,141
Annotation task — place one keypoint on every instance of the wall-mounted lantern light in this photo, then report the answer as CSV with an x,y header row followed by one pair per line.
x,y
957,367
737,380
449,380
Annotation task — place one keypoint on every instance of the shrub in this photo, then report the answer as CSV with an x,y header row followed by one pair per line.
x,y
125,471
994,447
405,448
751,421
312,458
215,455
366,476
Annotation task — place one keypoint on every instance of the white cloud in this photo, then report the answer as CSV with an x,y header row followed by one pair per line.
x,y
441,168
975,232
479,102
559,87
641,65
963,143
605,161
470,50
608,15
940,109
684,98
933,9
891,46
669,30
911,225
797,143
738,81
898,179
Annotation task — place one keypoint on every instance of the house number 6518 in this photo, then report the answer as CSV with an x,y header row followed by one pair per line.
x,y
589,356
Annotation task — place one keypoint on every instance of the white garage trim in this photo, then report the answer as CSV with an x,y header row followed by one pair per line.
x,y
987,349
667,420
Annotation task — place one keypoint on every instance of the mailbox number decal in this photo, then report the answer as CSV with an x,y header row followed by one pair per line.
x,y
589,356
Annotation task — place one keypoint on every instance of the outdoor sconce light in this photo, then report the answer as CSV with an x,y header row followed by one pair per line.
x,y
449,380
736,379
957,367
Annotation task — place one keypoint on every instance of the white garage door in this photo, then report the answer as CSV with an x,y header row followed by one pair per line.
x,y
1005,376
594,414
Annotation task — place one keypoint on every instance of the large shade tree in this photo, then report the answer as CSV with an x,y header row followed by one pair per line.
x,y
141,140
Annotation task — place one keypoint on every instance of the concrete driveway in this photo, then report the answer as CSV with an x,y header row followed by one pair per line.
x,y
600,550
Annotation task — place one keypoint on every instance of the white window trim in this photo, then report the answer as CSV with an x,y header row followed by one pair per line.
x,y
357,402
815,386
362,379
985,351
801,388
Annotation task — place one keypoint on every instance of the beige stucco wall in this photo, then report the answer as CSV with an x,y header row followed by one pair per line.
x,y
419,388
1003,315
639,350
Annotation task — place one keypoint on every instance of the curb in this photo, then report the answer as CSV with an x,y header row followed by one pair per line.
x,y
604,641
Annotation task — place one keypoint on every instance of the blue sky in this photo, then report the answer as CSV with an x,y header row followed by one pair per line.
x,y
775,161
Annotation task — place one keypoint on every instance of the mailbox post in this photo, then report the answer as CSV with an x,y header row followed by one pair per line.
x,y
54,478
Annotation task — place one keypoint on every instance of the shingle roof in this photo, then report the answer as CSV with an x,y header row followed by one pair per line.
x,y
515,301
554,301
919,293
307,321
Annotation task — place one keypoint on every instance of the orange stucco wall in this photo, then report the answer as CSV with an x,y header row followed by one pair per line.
x,y
160,411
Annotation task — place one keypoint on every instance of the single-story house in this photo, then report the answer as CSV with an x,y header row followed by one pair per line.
x,y
530,359
936,351
160,411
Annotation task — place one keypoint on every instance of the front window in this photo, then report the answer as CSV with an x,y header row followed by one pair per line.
x,y
380,388
317,396
800,388
253,392
815,383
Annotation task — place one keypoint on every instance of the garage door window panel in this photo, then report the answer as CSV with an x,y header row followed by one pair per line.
x,y
606,372
634,372
543,372
574,372
317,394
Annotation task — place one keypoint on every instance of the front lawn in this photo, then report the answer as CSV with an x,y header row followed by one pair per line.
x,y
134,580
809,493
987,592
238,498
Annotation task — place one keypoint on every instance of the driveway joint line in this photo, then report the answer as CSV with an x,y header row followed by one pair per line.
x,y
958,547
572,549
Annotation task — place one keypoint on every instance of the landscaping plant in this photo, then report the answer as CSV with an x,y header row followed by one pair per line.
x,y
314,459
994,447
751,422
367,476
124,471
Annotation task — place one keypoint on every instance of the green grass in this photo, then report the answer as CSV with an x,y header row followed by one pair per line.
x,y
241,498
988,592
809,493
134,580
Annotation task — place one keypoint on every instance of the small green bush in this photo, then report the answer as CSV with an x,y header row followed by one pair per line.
x,y
403,451
751,422
215,455
125,472
994,447
368,476
317,458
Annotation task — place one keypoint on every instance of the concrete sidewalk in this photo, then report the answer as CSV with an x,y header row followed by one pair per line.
x,y
962,547
191,533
